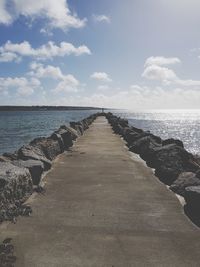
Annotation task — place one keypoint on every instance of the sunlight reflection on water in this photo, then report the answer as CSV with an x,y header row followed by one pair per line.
x,y
181,124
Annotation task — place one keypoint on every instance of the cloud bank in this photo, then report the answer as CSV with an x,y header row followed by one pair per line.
x,y
15,51
56,13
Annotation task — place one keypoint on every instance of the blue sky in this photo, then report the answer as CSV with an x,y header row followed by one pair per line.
x,y
133,54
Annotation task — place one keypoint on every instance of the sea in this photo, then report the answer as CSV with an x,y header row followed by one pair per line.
x,y
20,127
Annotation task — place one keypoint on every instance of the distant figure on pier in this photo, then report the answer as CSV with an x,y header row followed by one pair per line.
x,y
102,110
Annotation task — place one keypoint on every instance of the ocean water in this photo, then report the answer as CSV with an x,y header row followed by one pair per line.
x,y
19,128
181,124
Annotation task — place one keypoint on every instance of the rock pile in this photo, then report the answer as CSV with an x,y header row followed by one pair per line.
x,y
173,164
7,257
21,171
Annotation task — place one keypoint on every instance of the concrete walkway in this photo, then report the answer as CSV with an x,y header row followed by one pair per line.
x,y
104,208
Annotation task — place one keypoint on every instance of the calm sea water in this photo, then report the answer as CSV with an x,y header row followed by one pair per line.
x,y
18,128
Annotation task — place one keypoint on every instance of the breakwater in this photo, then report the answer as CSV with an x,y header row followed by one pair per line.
x,y
173,164
21,171
102,207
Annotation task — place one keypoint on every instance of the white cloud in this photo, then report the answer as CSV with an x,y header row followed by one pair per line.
x,y
68,84
25,91
139,98
161,61
101,18
163,74
188,82
22,85
56,13
5,17
41,71
155,70
101,76
9,56
46,51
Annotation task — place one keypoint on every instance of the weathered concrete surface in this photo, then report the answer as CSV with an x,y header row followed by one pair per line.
x,y
103,208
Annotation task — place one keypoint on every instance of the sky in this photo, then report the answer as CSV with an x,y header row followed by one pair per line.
x,y
132,54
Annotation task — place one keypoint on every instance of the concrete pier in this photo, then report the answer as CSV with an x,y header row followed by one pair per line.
x,y
103,207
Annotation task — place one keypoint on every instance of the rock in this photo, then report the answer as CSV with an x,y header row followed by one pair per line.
x,y
142,145
66,137
85,123
137,130
198,173
196,162
39,189
4,159
123,122
169,161
7,240
50,148
192,198
58,137
184,180
77,126
10,156
173,141
131,137
73,132
170,153
197,159
25,210
168,174
131,129
142,142
118,124
146,147
17,183
30,152
118,129
35,167
126,131
7,257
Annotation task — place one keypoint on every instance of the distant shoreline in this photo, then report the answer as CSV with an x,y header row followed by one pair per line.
x,y
45,108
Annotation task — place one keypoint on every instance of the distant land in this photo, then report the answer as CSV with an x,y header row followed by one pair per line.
x,y
43,108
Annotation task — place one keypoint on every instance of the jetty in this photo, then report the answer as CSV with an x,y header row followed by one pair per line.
x,y
103,206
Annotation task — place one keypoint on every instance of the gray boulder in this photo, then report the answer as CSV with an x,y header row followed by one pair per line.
x,y
35,167
169,161
56,136
173,141
66,137
145,144
123,122
73,132
168,174
132,136
10,156
77,126
118,129
51,148
85,123
4,159
192,197
30,152
184,180
15,184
